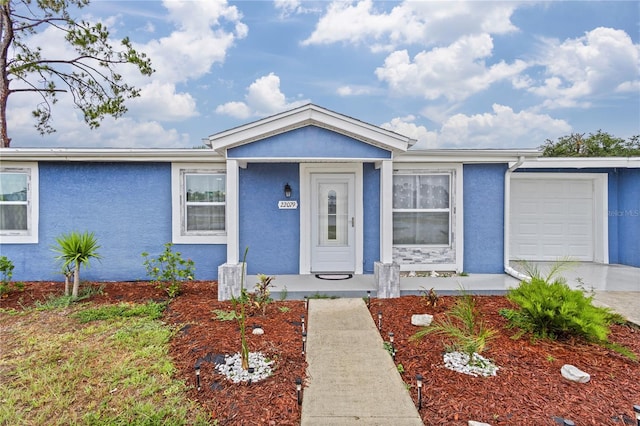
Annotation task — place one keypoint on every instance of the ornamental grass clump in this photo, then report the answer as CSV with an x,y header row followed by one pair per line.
x,y
549,309
465,331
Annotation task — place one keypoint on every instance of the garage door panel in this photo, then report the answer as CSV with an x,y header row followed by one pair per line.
x,y
551,219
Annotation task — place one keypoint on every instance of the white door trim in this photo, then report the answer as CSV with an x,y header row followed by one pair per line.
x,y
600,206
306,169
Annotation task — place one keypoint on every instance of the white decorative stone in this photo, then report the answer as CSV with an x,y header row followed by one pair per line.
x,y
574,374
421,320
412,273
474,423
258,331
477,366
434,274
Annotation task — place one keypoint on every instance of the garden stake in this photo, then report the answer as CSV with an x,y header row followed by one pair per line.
x,y
304,343
198,377
636,409
419,383
379,320
299,390
302,323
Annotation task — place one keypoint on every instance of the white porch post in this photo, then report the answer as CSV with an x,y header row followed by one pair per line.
x,y
386,272
386,211
232,212
230,273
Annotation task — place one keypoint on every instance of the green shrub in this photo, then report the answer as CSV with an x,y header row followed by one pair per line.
x,y
553,310
6,269
169,270
549,308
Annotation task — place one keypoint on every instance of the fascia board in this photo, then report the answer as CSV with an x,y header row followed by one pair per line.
x,y
109,154
582,163
465,156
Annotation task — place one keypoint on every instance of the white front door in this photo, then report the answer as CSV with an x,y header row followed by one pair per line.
x,y
332,222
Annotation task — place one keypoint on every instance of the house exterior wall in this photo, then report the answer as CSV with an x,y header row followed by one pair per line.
x,y
308,142
483,211
623,206
625,215
271,234
126,205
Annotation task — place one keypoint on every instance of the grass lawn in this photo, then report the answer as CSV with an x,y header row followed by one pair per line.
x,y
64,364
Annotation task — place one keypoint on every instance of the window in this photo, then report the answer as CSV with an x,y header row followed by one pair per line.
x,y
19,203
205,202
422,209
199,205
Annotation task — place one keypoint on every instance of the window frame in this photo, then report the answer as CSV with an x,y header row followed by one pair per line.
x,y
180,234
449,210
30,235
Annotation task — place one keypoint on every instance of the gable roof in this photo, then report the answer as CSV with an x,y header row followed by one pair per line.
x,y
309,115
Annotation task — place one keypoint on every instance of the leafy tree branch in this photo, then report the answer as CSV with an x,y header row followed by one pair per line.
x,y
90,76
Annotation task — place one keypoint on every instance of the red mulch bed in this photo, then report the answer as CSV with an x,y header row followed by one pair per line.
x,y
272,401
528,389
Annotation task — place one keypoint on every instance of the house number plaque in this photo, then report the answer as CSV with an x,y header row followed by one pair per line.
x,y
287,204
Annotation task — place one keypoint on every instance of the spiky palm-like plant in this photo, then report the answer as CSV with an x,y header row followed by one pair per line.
x,y
76,249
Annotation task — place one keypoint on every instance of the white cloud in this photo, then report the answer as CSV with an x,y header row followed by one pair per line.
x,y
205,31
410,22
405,126
159,101
263,98
454,72
354,90
502,128
579,70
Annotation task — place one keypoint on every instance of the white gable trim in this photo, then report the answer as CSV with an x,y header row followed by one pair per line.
x,y
309,115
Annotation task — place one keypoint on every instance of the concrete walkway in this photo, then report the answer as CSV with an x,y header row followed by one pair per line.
x,y
351,379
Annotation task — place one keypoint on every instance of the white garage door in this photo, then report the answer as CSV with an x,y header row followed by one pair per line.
x,y
552,219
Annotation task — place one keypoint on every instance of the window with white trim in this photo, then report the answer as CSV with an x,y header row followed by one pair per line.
x,y
199,204
19,203
422,209
204,202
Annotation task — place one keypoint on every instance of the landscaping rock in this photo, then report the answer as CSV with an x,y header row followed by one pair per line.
x,y
258,331
474,423
421,320
574,374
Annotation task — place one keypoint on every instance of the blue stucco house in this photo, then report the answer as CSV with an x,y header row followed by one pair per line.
x,y
314,191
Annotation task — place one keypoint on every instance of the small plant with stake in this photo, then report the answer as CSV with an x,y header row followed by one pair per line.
x,y
75,250
169,270
262,294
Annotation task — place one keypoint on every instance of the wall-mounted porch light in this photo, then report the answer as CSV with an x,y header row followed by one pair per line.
x,y
287,191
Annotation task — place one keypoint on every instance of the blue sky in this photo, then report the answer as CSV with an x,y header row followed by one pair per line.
x,y
450,74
